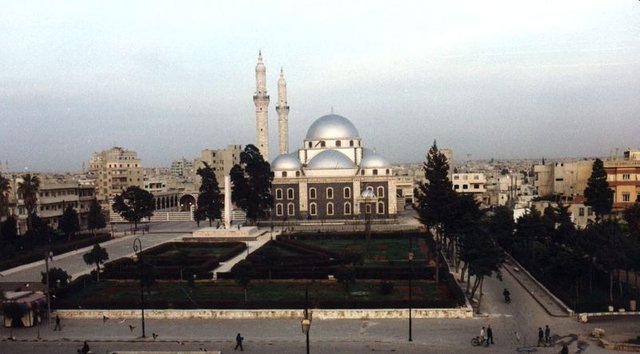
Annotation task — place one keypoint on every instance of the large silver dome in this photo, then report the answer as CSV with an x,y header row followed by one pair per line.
x,y
332,126
286,162
372,160
330,159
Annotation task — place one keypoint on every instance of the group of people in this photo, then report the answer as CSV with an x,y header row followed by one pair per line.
x,y
544,336
486,335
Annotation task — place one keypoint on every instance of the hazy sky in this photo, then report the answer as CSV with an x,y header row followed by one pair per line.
x,y
502,79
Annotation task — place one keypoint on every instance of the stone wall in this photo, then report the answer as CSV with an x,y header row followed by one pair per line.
x,y
461,313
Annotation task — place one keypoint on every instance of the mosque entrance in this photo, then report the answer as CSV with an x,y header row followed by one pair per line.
x,y
186,201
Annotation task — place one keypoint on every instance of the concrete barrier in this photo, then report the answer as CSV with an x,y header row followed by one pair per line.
x,y
323,314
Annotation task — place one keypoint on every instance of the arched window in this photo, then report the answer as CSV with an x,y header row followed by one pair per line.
x,y
290,193
367,208
313,209
338,143
312,193
369,188
323,143
329,193
329,208
279,209
362,172
291,209
347,192
380,192
297,173
350,142
347,208
387,171
278,193
375,172
284,173
310,144
380,208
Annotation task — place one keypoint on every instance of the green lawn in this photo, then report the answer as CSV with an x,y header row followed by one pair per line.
x,y
380,249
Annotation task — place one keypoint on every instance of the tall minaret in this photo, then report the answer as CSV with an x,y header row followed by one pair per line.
x,y
261,100
283,115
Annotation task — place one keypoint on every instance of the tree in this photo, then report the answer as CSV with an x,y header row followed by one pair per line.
x,y
501,227
9,230
28,188
57,276
598,194
242,274
346,276
96,256
632,217
69,223
251,179
271,257
133,205
5,187
209,199
95,217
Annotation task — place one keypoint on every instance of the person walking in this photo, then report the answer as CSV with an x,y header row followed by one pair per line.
x,y
540,336
565,349
239,340
547,334
482,333
85,348
57,327
489,335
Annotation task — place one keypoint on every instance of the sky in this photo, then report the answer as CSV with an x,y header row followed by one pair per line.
x,y
487,79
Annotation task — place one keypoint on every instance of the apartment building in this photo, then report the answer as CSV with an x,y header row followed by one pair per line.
x,y
566,179
114,170
221,161
624,179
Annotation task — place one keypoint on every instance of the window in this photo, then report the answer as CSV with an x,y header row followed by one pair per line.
x,y
290,209
350,142
329,193
323,144
387,172
456,186
347,192
464,186
310,144
362,172
581,211
367,209
626,176
297,173
279,209
284,173
312,193
380,192
338,143
313,209
290,193
375,172
329,208
278,193
380,208
347,208
476,185
626,197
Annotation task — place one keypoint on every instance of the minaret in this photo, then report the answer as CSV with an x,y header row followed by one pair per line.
x,y
261,100
283,115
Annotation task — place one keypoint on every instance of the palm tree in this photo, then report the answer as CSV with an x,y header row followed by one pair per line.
x,y
4,195
28,188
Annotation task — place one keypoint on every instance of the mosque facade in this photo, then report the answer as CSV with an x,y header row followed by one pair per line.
x,y
332,176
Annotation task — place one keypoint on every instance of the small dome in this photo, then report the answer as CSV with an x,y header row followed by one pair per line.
x,y
332,126
330,159
372,160
286,162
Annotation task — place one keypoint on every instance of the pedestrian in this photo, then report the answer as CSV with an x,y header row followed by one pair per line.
x,y
57,327
239,340
540,336
489,335
547,334
482,333
565,349
85,348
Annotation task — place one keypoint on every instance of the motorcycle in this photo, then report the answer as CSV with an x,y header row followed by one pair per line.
x,y
478,341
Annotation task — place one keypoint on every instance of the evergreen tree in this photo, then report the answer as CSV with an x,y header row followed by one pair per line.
x,y
242,274
598,194
96,256
209,199
57,276
251,179
632,217
29,188
133,205
95,217
4,196
501,226
69,223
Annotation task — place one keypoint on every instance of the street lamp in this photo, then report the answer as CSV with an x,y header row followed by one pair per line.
x,y
47,255
410,255
137,248
306,322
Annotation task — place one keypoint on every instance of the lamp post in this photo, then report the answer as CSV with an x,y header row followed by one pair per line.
x,y
137,248
410,255
46,269
306,322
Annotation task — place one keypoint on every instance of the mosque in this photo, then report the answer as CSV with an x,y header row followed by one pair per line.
x,y
332,176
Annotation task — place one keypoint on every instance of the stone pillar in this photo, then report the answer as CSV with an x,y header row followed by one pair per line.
x,y
227,202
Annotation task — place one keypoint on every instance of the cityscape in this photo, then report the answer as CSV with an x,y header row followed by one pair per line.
x,y
465,178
